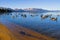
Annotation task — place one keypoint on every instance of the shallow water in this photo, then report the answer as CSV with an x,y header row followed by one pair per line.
x,y
35,22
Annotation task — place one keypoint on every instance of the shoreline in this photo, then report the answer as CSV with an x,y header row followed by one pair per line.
x,y
23,33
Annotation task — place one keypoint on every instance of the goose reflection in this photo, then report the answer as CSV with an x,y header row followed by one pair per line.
x,y
33,15
10,14
14,16
7,14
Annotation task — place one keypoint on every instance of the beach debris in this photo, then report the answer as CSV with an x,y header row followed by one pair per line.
x,y
23,33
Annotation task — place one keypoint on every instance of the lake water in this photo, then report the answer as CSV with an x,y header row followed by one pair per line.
x,y
49,25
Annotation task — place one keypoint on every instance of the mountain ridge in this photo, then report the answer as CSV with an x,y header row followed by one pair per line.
x,y
2,9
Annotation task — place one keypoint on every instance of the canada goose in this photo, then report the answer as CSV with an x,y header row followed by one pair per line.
x,y
54,19
23,15
44,16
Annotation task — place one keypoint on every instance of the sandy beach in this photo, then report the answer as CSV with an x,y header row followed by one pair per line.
x,y
6,34
16,32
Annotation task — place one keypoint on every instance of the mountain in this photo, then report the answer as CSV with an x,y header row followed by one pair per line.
x,y
19,10
31,10
35,10
3,9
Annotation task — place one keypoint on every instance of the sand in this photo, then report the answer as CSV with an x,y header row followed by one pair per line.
x,y
16,32
6,34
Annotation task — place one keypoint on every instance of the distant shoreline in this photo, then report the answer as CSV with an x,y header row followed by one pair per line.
x,y
35,10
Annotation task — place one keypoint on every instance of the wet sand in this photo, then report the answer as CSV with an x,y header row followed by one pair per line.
x,y
6,34
16,32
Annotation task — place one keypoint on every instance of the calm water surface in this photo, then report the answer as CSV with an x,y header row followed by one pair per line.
x,y
34,21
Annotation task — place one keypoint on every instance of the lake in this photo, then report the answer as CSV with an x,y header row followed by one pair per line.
x,y
44,23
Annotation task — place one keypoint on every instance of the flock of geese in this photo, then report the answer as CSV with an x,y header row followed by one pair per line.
x,y
42,16
46,16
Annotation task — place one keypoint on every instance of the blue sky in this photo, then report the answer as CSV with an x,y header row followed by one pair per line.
x,y
45,4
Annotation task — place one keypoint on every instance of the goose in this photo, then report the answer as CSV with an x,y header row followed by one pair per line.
x,y
44,16
23,15
54,19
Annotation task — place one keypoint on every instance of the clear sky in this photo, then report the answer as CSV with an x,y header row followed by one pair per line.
x,y
45,4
